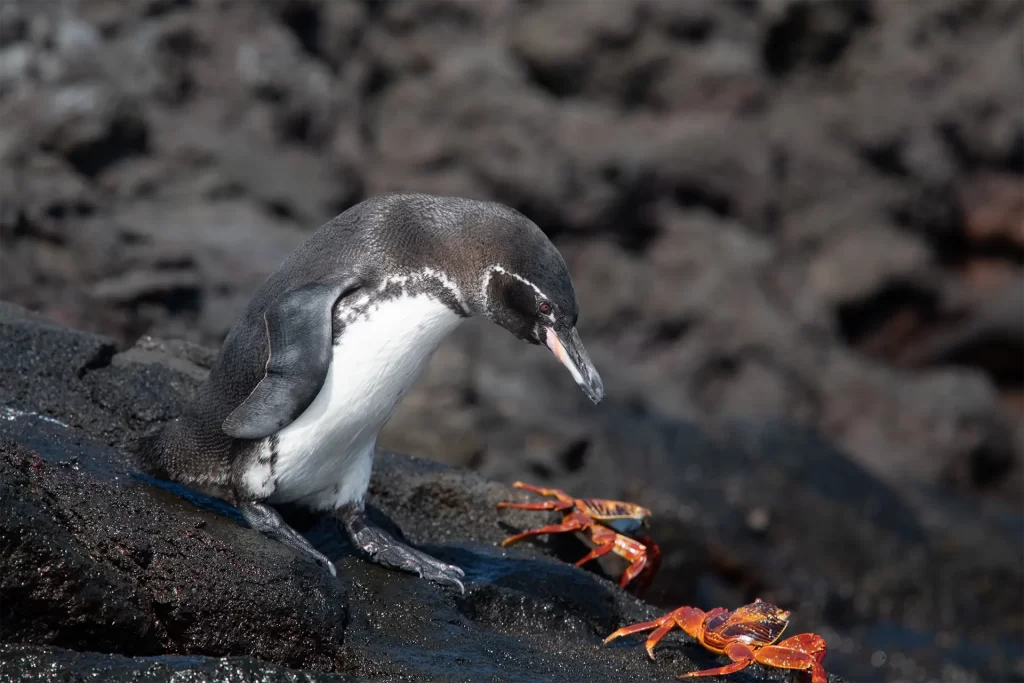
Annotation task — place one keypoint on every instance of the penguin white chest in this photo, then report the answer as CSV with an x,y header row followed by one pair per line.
x,y
324,458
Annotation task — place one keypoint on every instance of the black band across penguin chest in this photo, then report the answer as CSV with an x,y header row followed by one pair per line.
x,y
426,283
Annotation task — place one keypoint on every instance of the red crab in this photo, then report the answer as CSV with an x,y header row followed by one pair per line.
x,y
607,521
745,636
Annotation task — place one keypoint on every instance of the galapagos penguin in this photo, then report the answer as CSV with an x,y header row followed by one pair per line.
x,y
330,343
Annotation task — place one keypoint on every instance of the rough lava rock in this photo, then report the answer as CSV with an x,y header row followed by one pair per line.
x,y
31,663
97,559
106,572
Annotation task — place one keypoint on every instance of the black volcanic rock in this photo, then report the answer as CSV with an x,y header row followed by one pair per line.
x,y
101,566
29,663
758,509
92,565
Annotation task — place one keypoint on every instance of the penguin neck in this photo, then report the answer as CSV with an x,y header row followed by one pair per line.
x,y
408,313
432,283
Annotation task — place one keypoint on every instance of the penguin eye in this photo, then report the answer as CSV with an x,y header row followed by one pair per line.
x,y
544,307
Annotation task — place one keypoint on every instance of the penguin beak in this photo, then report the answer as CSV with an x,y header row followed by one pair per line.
x,y
568,349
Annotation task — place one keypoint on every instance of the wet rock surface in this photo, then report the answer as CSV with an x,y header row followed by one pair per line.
x,y
97,559
106,572
29,663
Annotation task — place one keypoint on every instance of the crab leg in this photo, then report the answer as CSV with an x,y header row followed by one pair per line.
x,y
650,568
633,551
546,505
633,571
810,643
571,525
554,493
597,552
662,626
803,652
741,656
689,619
656,637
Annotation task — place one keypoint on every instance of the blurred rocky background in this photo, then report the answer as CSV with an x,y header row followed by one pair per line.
x,y
796,230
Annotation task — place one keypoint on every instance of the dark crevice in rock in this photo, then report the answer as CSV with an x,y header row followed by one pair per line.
x,y
858,319
126,136
951,136
997,247
75,209
633,219
1015,155
778,50
695,30
101,359
562,81
936,217
476,459
637,91
176,300
297,127
638,238
24,227
280,209
159,8
695,195
303,19
990,462
941,220
377,81
669,332
999,353
887,158
351,192
541,470
547,217
812,33
574,457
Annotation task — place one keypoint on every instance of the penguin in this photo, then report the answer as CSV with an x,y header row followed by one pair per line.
x,y
331,342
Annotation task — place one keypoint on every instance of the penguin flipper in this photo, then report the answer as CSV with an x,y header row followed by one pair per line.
x,y
299,332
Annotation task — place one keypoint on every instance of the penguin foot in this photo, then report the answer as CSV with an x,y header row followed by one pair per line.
x,y
384,550
269,522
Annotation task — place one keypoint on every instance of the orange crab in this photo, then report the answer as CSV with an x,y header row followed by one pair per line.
x,y
745,636
607,521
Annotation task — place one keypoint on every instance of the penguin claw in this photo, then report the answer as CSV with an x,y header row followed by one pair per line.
x,y
425,566
320,559
446,575
386,551
269,522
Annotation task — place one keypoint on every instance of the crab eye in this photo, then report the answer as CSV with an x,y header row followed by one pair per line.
x,y
544,307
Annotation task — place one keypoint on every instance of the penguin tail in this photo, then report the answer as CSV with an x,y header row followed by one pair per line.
x,y
149,450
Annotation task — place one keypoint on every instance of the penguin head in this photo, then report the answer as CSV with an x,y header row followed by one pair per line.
x,y
530,294
502,266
